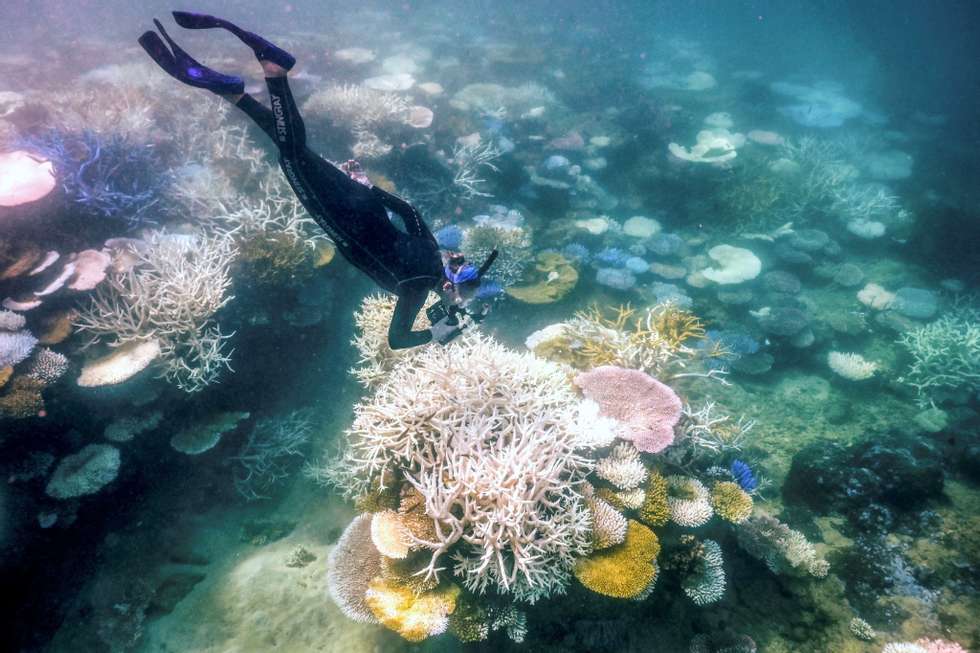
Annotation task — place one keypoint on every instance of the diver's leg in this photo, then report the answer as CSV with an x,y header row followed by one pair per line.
x,y
260,114
289,128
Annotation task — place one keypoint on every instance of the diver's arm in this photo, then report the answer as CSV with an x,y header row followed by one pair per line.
x,y
413,221
400,334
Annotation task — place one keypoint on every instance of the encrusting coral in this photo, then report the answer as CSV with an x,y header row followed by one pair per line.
x,y
626,570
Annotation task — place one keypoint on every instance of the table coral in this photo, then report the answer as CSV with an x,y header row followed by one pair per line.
x,y
626,570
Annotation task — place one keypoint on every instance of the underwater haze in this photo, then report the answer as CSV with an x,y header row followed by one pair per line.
x,y
718,392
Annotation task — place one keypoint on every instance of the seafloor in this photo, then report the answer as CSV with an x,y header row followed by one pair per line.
x,y
184,357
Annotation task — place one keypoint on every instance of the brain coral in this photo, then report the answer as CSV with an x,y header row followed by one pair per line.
x,y
626,570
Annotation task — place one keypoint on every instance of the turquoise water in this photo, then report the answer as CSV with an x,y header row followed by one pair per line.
x,y
725,399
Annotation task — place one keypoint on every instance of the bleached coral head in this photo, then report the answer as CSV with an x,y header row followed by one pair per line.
x,y
852,367
689,501
623,467
487,437
351,566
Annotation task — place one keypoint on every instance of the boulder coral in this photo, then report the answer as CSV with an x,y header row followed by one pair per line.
x,y
626,570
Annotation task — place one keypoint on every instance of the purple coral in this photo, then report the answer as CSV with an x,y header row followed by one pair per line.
x,y
648,408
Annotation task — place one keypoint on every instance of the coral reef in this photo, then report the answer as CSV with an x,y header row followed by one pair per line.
x,y
625,571
780,547
945,356
170,296
439,422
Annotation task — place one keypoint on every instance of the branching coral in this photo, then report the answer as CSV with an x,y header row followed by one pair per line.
x,y
376,358
104,176
263,459
513,245
171,295
783,549
467,161
487,437
945,356
629,338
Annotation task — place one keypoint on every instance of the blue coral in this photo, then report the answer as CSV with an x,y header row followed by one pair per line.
x,y
576,253
104,176
449,237
612,257
664,244
743,475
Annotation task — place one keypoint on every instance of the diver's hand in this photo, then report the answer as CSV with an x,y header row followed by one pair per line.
x,y
445,331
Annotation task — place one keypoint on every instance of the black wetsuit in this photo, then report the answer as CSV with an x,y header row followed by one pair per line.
x,y
406,263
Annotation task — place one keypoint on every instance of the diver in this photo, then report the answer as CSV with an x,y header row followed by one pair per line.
x,y
342,200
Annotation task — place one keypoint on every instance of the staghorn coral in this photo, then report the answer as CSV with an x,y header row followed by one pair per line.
x,y
783,549
263,461
622,467
945,356
646,408
107,176
624,571
414,617
488,439
376,358
628,338
171,295
731,502
689,501
655,510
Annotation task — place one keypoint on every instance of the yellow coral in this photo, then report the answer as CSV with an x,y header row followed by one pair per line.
x,y
323,253
5,374
655,510
626,570
611,497
470,622
412,616
405,572
731,502
671,323
555,279
380,499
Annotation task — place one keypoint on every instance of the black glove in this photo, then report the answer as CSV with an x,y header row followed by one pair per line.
x,y
445,330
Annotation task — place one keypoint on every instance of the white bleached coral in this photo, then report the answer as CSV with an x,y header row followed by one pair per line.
x,y
85,472
716,145
623,467
169,297
351,566
852,367
735,265
689,501
487,437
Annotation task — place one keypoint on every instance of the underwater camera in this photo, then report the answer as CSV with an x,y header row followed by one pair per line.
x,y
438,312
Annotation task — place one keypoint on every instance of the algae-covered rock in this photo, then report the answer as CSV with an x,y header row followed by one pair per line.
x,y
554,278
201,436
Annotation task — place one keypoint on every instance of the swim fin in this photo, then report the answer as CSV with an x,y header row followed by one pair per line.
x,y
263,50
181,66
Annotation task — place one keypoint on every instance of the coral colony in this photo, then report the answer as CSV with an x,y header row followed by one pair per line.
x,y
716,406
